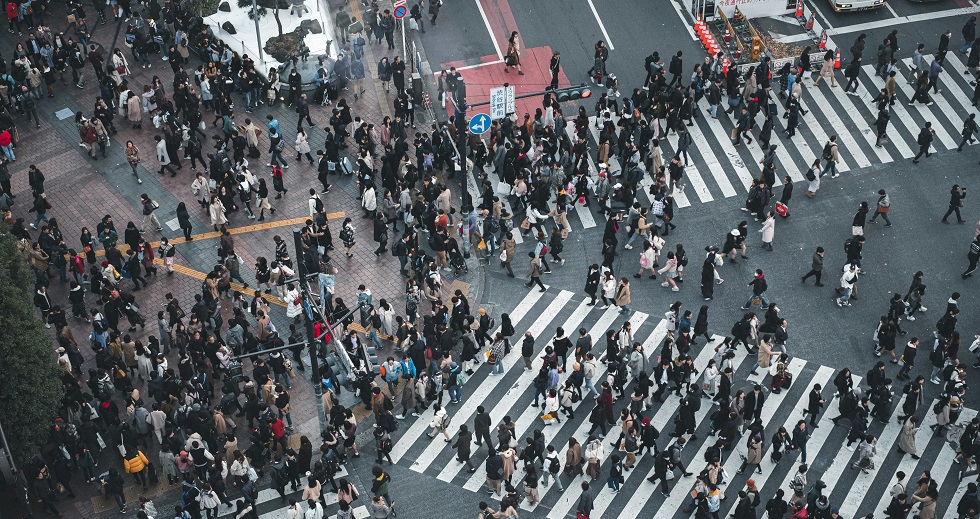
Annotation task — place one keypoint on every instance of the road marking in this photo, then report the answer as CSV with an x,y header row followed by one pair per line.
x,y
468,67
602,26
862,27
680,14
891,10
486,21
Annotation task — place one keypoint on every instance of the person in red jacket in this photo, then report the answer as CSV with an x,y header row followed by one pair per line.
x,y
12,18
278,430
88,136
7,144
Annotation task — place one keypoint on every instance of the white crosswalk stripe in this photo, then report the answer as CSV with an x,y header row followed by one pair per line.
x,y
719,170
856,493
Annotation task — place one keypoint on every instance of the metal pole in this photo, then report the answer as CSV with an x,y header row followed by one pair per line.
x,y
308,321
6,449
258,35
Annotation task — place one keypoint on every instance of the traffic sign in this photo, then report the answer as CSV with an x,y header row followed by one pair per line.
x,y
480,123
400,11
502,102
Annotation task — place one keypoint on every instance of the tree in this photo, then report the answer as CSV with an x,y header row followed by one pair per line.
x,y
262,7
31,389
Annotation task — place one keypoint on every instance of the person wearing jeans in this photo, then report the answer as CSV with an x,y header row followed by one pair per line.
x,y
759,287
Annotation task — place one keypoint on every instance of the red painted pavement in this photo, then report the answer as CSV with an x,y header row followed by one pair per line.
x,y
480,79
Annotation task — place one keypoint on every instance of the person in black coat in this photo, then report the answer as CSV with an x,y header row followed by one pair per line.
x,y
814,404
184,221
380,234
754,402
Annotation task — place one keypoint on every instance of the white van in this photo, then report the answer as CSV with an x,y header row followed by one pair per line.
x,y
856,5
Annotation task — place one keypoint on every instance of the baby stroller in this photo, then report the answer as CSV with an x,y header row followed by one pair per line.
x,y
456,259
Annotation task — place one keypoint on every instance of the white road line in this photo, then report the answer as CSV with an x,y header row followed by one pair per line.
x,y
581,312
843,136
815,128
680,13
486,21
478,65
728,150
421,424
551,432
815,444
907,465
572,493
961,486
941,103
708,154
683,485
462,414
656,336
957,92
861,125
891,22
602,26
928,115
598,329
859,488
947,457
898,112
891,10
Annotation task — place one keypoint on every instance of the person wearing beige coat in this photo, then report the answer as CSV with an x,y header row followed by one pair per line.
x,y
906,440
623,295
764,355
926,495
507,246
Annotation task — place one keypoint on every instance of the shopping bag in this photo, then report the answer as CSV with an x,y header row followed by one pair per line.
x,y
781,209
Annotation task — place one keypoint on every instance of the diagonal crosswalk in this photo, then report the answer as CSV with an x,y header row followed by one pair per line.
x,y
510,394
718,170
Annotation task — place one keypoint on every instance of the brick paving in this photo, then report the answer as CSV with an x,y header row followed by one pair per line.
x,y
82,190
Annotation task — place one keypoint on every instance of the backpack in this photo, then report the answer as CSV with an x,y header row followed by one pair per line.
x,y
575,397
827,151
555,466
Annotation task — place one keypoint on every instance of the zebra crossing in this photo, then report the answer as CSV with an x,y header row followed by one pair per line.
x,y
510,395
718,170
269,505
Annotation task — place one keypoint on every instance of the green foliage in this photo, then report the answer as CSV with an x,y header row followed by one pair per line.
x,y
31,389
203,7
282,47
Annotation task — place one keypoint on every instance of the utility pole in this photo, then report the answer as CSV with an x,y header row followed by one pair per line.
x,y
306,300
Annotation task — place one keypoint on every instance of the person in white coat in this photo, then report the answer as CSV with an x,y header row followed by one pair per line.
x,y
314,510
294,511
608,290
163,156
369,201
550,408
302,146
768,231
293,305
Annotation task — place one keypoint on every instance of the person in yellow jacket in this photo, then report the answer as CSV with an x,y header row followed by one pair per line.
x,y
136,464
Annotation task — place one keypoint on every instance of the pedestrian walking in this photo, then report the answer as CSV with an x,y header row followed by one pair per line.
x,y
768,231
513,56
759,286
847,282
969,129
924,140
881,127
827,70
812,176
534,271
956,196
974,256
882,207
831,157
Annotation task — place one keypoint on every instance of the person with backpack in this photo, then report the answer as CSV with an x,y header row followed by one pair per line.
x,y
440,421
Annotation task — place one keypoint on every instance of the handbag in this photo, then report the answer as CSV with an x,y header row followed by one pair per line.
x,y
121,69
482,245
503,258
669,475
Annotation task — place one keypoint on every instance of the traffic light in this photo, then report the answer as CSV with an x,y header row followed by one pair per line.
x,y
572,93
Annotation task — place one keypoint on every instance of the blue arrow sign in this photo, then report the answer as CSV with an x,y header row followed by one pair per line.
x,y
480,123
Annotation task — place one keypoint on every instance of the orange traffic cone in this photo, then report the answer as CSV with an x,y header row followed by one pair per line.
x,y
799,9
837,59
809,22
823,40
